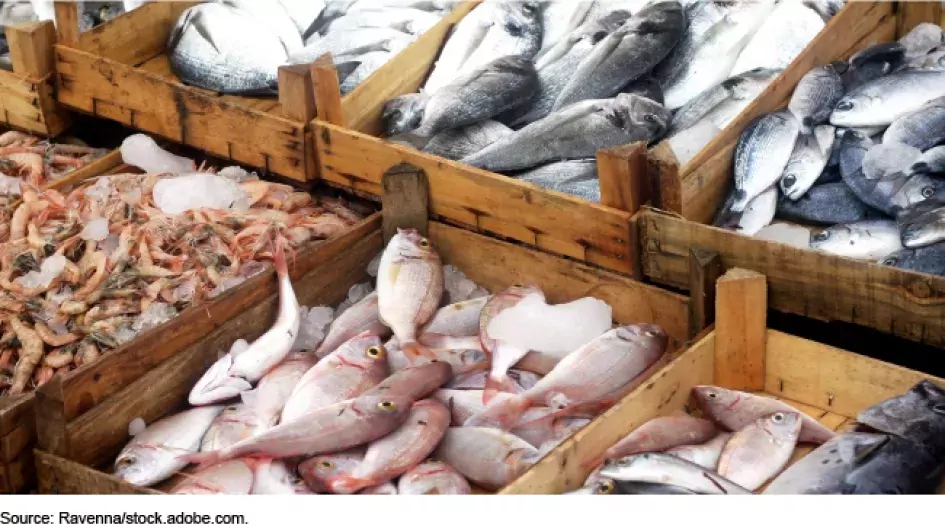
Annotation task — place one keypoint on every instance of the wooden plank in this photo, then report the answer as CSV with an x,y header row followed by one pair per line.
x,y
486,201
61,476
13,443
406,200
705,267
496,265
741,320
327,91
622,175
67,22
297,93
19,474
566,467
912,13
31,48
93,169
663,177
136,36
804,282
51,433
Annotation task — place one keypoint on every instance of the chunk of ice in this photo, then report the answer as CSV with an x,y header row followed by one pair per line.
x,y
175,195
922,39
236,173
110,244
227,284
142,151
687,143
314,326
786,233
136,426
156,314
95,230
458,285
10,185
535,325
101,190
48,270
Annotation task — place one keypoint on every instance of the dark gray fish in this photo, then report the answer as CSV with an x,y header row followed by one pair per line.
x,y
922,129
455,144
923,224
404,113
575,177
917,416
516,31
873,62
929,260
815,96
827,204
932,161
479,95
626,54
823,470
762,153
896,467
724,102
92,14
576,132
646,86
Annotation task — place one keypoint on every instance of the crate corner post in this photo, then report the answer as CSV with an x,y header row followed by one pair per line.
x,y
705,268
328,104
405,200
663,173
741,330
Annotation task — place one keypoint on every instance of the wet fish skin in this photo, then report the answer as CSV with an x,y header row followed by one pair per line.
x,y
872,63
929,260
515,31
816,95
576,132
646,86
463,403
822,471
488,457
320,471
706,454
433,477
454,144
932,161
736,409
546,431
403,113
663,433
896,467
827,204
235,423
462,42
275,388
234,477
781,37
805,166
922,129
609,486
274,477
762,153
668,469
759,451
560,18
723,102
882,101
917,416
459,319
576,177
888,158
358,318
415,382
923,224
863,240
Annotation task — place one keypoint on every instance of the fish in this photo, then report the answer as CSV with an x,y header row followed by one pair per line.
x,y
404,113
235,423
365,65
463,403
408,19
416,382
763,151
575,177
462,42
706,454
815,96
274,477
338,427
519,381
781,37
433,477
409,287
823,470
207,49
319,472
722,103
736,409
559,19
399,451
757,215
272,392
871,63
610,486
929,260
502,353
488,457
546,431
646,86
923,224
596,375
384,489
896,467
540,363
461,361
882,101
761,450
515,31
917,416
478,95
304,13
275,18
576,132
454,144
154,454
932,161
358,318
230,477
864,240
663,433
626,54
889,158
827,204
665,469
460,319
804,168
922,39
922,129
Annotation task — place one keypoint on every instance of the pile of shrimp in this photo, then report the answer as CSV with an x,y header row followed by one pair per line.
x,y
148,260
38,161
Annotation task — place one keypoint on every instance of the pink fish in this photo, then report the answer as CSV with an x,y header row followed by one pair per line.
x,y
384,489
545,429
463,403
416,382
706,454
274,389
229,477
319,472
488,457
662,433
433,477
359,318
503,354
735,410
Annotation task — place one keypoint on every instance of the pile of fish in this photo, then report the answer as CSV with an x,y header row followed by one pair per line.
x,y
209,49
859,150
28,159
534,89
87,270
897,447
431,410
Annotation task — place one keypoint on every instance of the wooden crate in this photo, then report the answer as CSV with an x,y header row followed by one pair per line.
x,y
120,71
27,94
803,282
93,383
741,353
75,449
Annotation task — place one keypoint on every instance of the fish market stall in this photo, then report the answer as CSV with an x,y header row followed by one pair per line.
x,y
380,407
747,408
837,252
548,147
110,276
149,69
27,89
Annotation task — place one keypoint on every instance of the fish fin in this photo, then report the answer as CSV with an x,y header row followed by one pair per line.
x,y
136,426
740,202
348,484
496,384
203,29
414,350
504,414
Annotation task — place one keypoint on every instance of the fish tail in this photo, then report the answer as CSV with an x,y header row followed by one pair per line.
x,y
348,484
504,414
278,257
414,351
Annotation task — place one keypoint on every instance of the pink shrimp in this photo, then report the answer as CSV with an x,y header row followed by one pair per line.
x,y
256,190
16,138
22,215
29,164
100,263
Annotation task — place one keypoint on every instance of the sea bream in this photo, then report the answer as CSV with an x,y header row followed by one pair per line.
x,y
760,450
763,151
360,317
663,433
882,101
433,477
823,470
488,457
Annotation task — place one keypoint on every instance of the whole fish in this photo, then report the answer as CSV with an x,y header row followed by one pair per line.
x,y
274,477
576,177
515,31
663,433
367,64
155,454
540,363
669,470
546,431
519,381
822,471
559,19
358,318
462,42
460,319
274,389
922,129
923,224
461,361
872,63
763,151
403,113
463,403
409,287
896,467
433,477
503,354
455,144
757,215
626,54
922,39
815,96
480,94
827,204
356,366
781,37
882,101
235,423
415,382
805,166
888,158
399,451
706,454
759,451
863,240
230,477
321,471
735,410
932,161
576,132
334,428
916,416
722,103
488,457
929,260
641,488
596,375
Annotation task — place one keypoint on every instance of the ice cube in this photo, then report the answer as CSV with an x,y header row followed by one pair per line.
x,y
786,233
175,195
48,270
457,285
234,172
136,426
227,284
185,291
687,143
10,185
101,190
313,327
359,291
61,296
95,230
142,151
156,314
58,328
535,325
252,268
922,39
125,334
239,346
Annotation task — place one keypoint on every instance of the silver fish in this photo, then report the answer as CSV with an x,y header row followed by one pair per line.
x,y
558,19
823,470
646,86
932,161
304,13
827,204
762,153
923,224
515,31
404,113
576,132
455,144
929,260
488,457
724,102
433,477
462,42
759,451
234,477
360,317
576,177
410,20
826,8
235,423
922,129
815,96
882,101
780,38
669,470
896,467
274,18
863,240
706,454
805,166
355,41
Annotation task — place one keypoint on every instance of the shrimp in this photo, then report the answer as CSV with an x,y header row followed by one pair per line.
x,y
43,375
29,164
110,308
100,263
5,356
22,215
88,352
31,354
60,357
16,138
255,190
51,338
123,251
73,307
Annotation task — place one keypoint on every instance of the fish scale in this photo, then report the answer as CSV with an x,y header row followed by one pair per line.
x,y
922,129
761,155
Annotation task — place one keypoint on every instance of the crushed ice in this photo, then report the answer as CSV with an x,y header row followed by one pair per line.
x,y
688,143
355,294
48,270
95,229
314,326
10,185
535,325
142,151
175,195
459,287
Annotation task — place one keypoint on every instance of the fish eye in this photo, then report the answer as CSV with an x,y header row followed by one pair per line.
x,y
126,461
890,261
386,405
232,408
327,465
650,333
623,461
712,395
606,487
790,179
424,243
845,106
928,191
518,286
375,352
821,236
434,461
650,118
778,417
